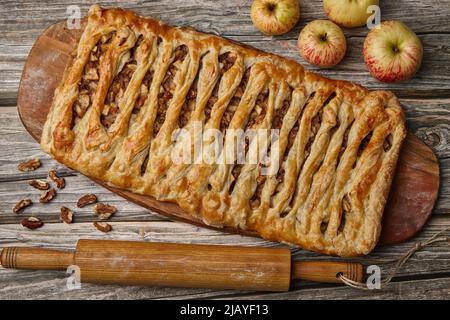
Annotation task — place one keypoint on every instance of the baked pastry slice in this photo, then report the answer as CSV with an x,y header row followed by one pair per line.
x,y
134,82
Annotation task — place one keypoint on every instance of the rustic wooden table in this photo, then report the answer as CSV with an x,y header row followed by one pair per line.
x,y
426,99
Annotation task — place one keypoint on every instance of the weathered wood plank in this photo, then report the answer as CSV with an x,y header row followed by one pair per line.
x,y
76,186
430,262
430,121
23,24
430,289
29,16
425,276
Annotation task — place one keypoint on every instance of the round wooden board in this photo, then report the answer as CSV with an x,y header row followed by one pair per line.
x,y
414,190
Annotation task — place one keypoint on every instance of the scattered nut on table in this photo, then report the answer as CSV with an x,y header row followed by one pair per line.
x,y
60,182
102,226
21,205
86,199
32,223
47,196
39,184
29,165
66,215
104,211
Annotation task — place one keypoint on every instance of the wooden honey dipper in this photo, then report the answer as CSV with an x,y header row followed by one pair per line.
x,y
181,265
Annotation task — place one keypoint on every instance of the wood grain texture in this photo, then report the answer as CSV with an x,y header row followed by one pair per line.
x,y
426,100
430,263
414,188
24,23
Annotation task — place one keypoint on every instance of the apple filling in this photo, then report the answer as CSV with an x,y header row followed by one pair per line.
x,y
226,61
346,208
189,105
282,171
344,144
117,89
256,117
89,80
144,165
315,125
362,147
259,110
387,144
234,102
277,123
168,87
143,92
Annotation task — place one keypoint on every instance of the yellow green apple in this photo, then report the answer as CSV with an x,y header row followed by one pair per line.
x,y
275,17
322,43
348,13
392,52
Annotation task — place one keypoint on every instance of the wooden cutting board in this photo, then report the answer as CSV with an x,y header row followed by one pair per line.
x,y
414,190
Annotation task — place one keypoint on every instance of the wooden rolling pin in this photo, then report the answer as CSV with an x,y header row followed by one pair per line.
x,y
181,265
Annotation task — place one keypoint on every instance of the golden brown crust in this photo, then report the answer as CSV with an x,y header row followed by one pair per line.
x,y
134,81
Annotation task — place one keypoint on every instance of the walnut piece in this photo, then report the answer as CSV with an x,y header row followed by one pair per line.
x,y
60,182
82,103
47,196
32,223
102,226
91,74
29,165
39,184
104,211
21,205
86,199
66,215
346,204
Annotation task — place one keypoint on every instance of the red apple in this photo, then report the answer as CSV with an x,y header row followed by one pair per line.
x,y
348,13
322,43
275,17
392,52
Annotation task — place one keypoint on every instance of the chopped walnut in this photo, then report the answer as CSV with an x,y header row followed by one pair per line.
x,y
277,121
168,87
259,111
188,106
47,196
315,124
102,226
60,182
39,184
104,211
32,223
21,205
91,74
66,215
226,61
82,104
143,90
364,143
387,144
29,165
346,204
93,57
86,199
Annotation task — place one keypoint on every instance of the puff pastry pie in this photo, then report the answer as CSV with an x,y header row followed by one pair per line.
x,y
134,81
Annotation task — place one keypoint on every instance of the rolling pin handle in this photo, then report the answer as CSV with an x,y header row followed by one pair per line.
x,y
327,271
35,258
